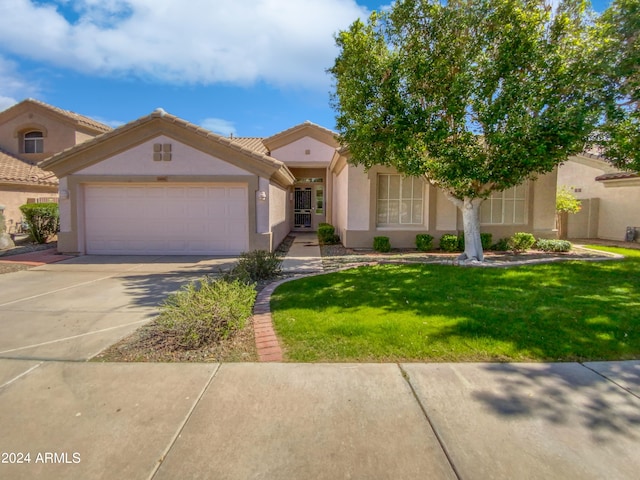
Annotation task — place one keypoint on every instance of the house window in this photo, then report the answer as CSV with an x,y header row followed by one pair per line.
x,y
33,142
399,200
319,200
508,207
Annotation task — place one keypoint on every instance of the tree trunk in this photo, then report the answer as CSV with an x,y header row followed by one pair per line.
x,y
471,222
562,224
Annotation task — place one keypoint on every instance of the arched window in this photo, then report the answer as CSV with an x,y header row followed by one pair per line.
x,y
33,142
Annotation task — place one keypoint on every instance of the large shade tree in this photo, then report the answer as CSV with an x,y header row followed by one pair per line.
x,y
619,63
476,96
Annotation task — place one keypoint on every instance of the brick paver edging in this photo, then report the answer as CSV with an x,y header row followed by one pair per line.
x,y
267,344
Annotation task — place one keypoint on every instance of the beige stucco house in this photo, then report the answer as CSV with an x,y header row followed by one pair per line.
x,y
31,131
161,185
610,198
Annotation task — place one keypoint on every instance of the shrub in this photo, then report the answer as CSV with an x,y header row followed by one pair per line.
x,y
449,243
485,241
424,242
327,234
521,242
3,225
567,201
256,265
502,245
206,311
43,220
381,244
551,245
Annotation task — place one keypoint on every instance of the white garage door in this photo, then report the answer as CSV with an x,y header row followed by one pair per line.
x,y
166,219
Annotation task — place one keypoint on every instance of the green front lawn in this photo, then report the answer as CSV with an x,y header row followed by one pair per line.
x,y
567,311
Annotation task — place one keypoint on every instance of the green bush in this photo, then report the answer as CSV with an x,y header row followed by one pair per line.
x,y
424,242
551,245
521,242
501,245
327,234
381,244
3,225
485,241
43,220
255,266
206,311
449,243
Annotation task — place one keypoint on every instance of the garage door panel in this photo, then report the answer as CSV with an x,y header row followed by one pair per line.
x,y
143,219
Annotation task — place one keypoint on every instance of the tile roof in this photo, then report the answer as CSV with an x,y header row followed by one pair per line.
x,y
159,113
306,123
616,176
76,118
20,172
252,143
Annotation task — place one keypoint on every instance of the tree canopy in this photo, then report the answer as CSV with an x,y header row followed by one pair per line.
x,y
619,63
475,95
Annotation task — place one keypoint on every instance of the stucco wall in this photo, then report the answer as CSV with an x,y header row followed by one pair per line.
x,y
278,214
263,207
185,160
359,205
440,214
13,196
544,205
340,198
618,200
57,135
582,177
295,153
446,213
619,210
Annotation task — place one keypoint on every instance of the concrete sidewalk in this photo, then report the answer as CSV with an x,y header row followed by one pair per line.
x,y
320,421
304,255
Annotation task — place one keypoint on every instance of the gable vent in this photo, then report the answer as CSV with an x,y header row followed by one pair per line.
x,y
161,152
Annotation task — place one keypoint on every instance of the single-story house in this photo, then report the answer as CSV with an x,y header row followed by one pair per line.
x,y
610,198
161,185
31,131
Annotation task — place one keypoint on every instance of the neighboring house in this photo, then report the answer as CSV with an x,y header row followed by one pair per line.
x,y
31,131
610,198
161,185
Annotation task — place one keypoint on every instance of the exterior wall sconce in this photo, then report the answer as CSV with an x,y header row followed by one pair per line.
x,y
64,194
262,195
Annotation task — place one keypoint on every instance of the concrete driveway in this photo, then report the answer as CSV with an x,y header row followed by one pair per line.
x,y
72,310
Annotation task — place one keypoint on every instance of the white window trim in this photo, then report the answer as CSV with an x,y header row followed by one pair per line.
x,y
501,195
35,141
414,183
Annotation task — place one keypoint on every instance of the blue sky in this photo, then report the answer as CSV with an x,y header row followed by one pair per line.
x,y
247,67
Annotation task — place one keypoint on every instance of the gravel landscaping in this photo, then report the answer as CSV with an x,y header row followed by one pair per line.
x,y
335,257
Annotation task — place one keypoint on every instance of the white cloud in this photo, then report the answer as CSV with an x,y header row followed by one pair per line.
x,y
111,123
282,42
13,87
219,125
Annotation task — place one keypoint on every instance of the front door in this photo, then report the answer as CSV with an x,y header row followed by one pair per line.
x,y
309,207
302,215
